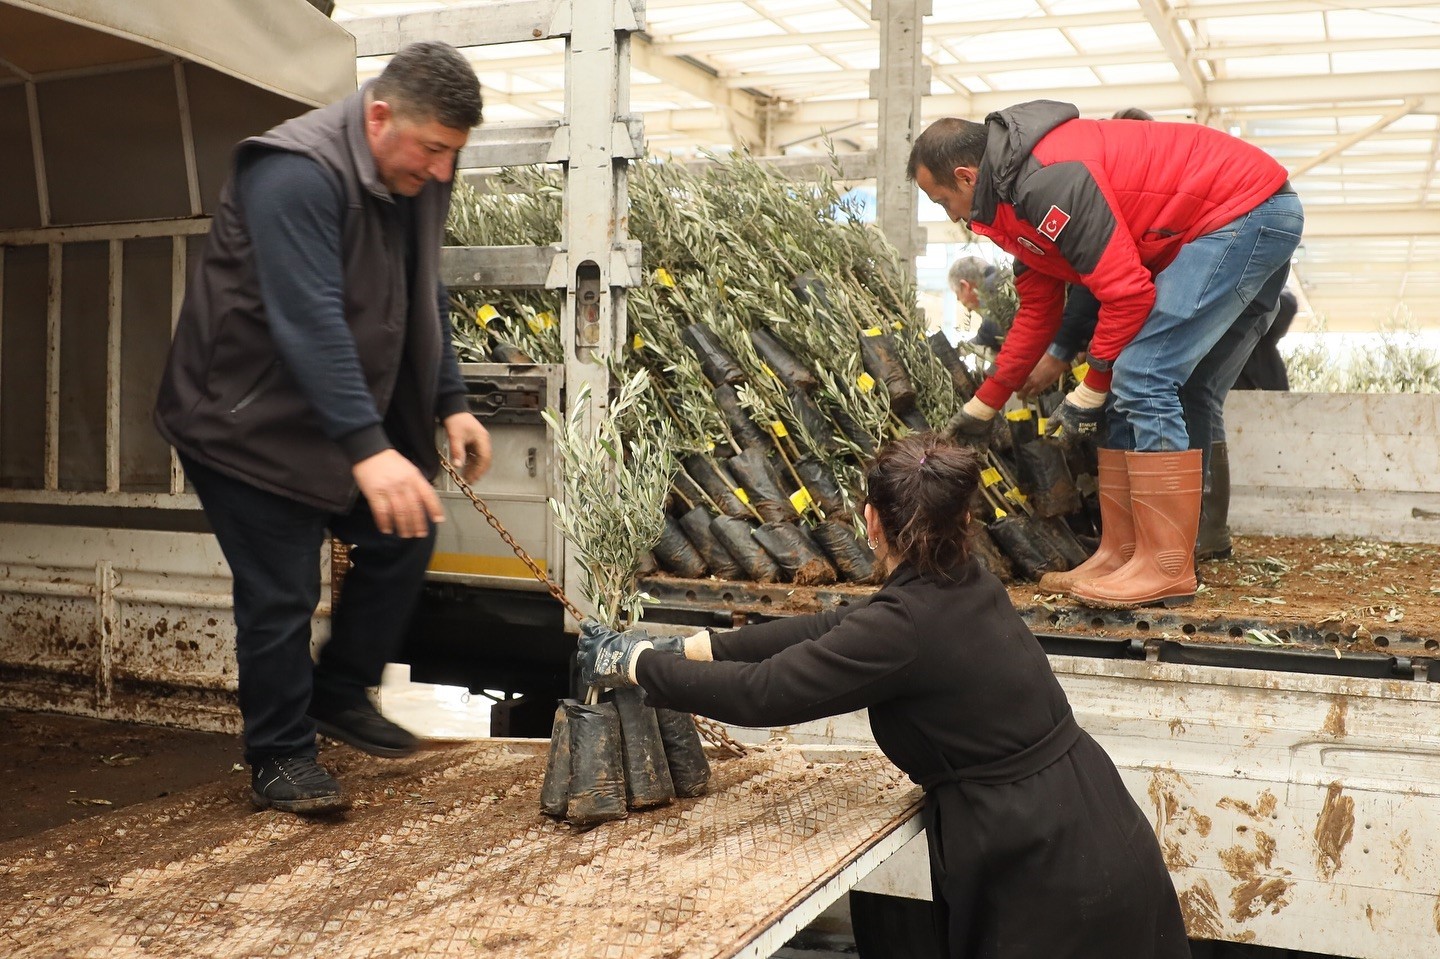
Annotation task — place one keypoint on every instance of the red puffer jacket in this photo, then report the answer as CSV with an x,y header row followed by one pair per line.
x,y
1106,204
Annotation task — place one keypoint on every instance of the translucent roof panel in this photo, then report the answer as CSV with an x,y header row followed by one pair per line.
x,y
1343,93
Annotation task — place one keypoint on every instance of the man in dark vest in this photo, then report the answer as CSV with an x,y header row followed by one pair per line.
x,y
311,363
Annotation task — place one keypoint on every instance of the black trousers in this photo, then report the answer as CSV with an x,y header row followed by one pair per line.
x,y
273,547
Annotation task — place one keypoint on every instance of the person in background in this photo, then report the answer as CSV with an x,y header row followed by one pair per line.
x,y
1176,229
310,367
1265,369
968,276
1037,850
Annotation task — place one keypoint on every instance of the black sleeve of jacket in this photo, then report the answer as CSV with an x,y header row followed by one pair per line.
x,y
450,391
861,661
1077,323
754,644
293,210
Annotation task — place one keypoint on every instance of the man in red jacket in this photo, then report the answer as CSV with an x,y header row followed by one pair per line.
x,y
1175,228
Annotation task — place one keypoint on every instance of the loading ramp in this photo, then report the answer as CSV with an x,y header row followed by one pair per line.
x,y
446,854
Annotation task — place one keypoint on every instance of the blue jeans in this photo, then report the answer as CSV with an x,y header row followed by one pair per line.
x,y
1198,299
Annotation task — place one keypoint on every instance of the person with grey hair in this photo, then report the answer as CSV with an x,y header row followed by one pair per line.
x,y
968,277
310,366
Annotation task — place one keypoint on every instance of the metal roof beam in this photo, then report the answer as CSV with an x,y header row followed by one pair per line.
x,y
473,25
1347,223
1399,85
1221,51
1177,48
1346,142
1063,21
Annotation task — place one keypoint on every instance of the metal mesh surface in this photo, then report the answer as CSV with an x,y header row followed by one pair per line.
x,y
445,854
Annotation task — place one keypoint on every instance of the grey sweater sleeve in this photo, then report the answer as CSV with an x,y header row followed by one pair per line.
x,y
294,209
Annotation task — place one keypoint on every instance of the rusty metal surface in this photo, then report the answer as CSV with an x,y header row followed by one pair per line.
x,y
446,854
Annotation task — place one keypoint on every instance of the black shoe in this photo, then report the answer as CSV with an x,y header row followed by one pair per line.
x,y
294,784
363,727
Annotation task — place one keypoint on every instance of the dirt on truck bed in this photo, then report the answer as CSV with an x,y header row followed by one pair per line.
x,y
1350,594
1345,595
447,854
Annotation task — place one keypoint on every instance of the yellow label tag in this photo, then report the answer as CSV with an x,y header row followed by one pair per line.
x,y
663,277
778,428
485,314
547,319
741,496
768,372
1080,371
866,382
873,331
800,499
1000,513
1015,496
898,325
1018,416
1044,426
990,476
639,342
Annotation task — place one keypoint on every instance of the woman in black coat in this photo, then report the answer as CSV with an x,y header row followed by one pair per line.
x,y
1036,848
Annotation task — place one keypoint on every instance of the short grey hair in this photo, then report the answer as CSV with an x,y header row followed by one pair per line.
x,y
431,80
968,269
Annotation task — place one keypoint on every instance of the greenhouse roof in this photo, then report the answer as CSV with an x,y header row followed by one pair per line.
x,y
1345,94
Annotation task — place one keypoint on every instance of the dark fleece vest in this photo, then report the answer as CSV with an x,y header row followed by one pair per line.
x,y
227,399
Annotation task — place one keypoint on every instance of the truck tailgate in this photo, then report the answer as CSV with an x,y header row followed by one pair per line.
x,y
446,853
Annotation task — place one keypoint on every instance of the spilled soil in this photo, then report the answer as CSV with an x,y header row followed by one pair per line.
x,y
61,769
1351,594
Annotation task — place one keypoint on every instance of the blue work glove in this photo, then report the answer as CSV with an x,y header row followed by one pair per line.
x,y
1070,423
607,658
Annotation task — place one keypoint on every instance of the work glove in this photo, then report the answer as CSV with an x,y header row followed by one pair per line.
x,y
696,646
607,657
1080,415
972,425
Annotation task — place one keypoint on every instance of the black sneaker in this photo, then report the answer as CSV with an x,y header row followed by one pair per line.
x,y
294,784
363,727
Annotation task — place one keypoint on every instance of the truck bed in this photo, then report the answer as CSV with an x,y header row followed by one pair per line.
x,y
1356,600
446,853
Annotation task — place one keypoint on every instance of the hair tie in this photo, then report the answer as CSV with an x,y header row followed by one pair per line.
x,y
922,460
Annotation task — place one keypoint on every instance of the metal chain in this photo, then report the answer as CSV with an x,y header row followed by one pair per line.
x,y
539,573
711,730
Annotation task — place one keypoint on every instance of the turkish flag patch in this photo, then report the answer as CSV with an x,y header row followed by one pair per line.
x,y
1054,222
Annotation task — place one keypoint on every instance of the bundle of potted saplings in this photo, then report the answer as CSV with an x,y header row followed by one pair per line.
x,y
783,344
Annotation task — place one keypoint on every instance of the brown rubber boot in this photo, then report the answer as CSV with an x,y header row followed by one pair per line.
x,y
1117,530
1214,539
1165,501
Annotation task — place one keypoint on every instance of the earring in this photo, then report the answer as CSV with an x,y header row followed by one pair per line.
x,y
872,544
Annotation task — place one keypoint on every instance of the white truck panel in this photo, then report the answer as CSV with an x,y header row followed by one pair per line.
x,y
1293,810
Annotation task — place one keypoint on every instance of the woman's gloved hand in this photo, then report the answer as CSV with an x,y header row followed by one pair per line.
x,y
607,657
